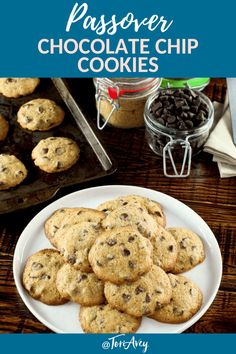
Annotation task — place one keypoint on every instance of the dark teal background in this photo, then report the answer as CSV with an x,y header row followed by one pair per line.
x,y
24,22
88,343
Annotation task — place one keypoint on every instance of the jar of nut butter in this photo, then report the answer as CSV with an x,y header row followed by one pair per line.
x,y
120,101
178,123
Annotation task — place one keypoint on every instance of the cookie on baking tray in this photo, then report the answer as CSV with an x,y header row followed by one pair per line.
x,y
152,207
55,154
142,296
40,114
104,319
120,255
4,127
135,216
66,217
74,243
83,288
16,87
165,249
39,276
12,171
186,301
190,249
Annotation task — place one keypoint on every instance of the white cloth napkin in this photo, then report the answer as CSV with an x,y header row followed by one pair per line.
x,y
220,142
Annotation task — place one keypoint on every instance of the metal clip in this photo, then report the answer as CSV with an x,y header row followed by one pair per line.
x,y
167,152
114,103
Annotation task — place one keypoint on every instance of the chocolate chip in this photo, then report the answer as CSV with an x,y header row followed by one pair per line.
x,y
124,216
147,298
131,264
131,239
9,80
125,203
191,292
171,119
189,124
28,119
126,297
71,259
59,151
157,291
177,311
171,248
41,109
36,266
111,242
158,213
162,238
182,245
126,252
158,306
191,259
82,277
45,277
45,150
59,165
110,257
139,290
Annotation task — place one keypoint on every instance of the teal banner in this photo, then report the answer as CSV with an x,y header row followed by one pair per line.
x,y
88,38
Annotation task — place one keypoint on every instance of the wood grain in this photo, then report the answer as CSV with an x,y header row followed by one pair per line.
x,y
214,199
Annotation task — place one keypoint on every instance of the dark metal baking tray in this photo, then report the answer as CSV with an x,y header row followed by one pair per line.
x,y
39,186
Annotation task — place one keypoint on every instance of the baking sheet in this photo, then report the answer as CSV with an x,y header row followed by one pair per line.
x,y
39,186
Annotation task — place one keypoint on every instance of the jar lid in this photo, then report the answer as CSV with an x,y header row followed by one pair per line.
x,y
197,83
127,87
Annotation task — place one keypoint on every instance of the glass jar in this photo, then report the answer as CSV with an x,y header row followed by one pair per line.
x,y
120,101
177,145
197,83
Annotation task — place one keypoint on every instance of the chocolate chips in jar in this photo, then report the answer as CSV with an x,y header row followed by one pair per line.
x,y
176,117
180,109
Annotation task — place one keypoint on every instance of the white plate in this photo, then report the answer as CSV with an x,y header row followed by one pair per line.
x,y
64,318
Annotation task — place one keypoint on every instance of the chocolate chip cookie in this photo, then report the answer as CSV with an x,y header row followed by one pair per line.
x,y
134,215
66,217
164,249
12,171
74,243
16,87
39,276
104,319
190,249
142,296
120,255
152,207
83,288
40,114
186,301
55,154
4,127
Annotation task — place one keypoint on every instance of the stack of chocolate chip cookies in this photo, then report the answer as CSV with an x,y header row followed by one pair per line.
x,y
120,263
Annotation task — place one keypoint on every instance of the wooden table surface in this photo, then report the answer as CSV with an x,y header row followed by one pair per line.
x,y
214,199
